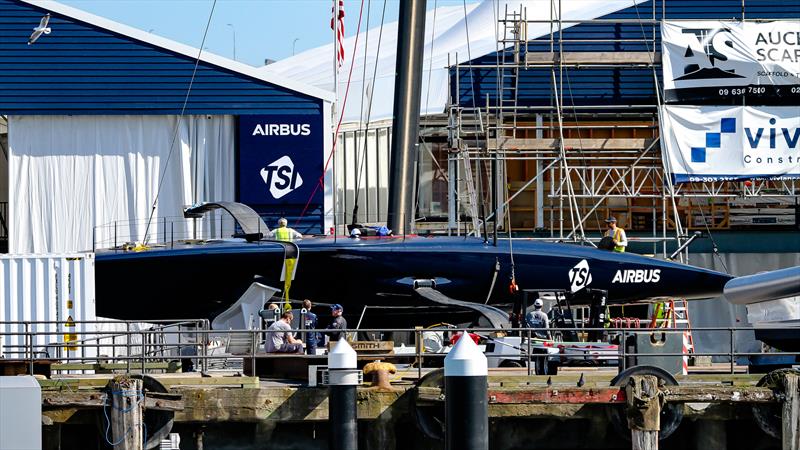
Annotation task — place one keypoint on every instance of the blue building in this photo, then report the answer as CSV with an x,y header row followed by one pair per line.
x,y
112,131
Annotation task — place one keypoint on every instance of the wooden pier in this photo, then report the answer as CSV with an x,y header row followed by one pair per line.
x,y
209,409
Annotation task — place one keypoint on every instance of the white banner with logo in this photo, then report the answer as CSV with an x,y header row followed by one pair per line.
x,y
710,61
724,143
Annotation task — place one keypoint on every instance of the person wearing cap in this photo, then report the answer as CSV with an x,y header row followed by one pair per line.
x,y
337,323
538,320
283,232
280,338
617,235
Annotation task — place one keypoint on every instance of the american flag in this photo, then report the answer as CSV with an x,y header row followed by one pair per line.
x,y
339,31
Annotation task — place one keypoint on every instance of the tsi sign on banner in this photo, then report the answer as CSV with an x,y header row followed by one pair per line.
x,y
723,143
713,60
280,159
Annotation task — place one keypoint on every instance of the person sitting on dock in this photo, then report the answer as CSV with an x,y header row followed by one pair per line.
x,y
280,338
337,323
283,232
617,235
537,319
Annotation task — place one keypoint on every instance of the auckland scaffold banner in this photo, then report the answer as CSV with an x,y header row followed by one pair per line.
x,y
713,62
726,143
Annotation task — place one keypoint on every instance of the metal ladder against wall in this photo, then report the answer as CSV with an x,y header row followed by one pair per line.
x,y
513,44
472,196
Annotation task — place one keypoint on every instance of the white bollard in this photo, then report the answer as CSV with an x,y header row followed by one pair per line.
x,y
466,388
343,381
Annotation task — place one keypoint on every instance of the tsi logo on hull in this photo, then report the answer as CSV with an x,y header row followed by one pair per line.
x,y
637,276
281,177
579,276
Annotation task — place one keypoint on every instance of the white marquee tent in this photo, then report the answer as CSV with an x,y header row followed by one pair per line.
x,y
445,41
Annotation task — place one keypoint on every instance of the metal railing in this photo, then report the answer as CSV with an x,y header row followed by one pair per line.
x,y
141,350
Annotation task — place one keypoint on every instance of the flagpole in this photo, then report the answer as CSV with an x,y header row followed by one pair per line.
x,y
335,105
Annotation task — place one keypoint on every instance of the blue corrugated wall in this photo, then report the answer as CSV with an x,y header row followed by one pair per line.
x,y
612,86
83,69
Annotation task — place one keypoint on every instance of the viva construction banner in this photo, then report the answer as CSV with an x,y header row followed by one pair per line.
x,y
714,62
726,143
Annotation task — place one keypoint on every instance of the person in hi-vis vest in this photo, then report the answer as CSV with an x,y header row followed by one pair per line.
x,y
617,234
283,232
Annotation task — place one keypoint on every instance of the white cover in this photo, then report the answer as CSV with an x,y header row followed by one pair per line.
x,y
68,174
730,54
774,311
746,149
243,315
315,66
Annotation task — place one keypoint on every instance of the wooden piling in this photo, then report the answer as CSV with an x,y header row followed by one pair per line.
x,y
126,413
644,402
791,413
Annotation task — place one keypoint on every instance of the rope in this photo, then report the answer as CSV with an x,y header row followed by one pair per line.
x,y
427,103
321,181
178,124
664,160
361,112
360,167
138,397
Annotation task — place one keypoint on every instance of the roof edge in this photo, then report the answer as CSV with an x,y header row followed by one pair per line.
x,y
177,47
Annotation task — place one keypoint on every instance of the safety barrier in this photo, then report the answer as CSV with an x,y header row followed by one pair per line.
x,y
139,346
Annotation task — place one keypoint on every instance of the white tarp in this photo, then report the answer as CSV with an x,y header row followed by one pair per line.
x,y
74,176
719,143
714,59
449,45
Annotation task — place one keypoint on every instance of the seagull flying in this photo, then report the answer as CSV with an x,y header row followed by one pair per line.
x,y
40,30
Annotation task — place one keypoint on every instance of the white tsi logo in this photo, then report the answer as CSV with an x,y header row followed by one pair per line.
x,y
579,276
281,177
637,276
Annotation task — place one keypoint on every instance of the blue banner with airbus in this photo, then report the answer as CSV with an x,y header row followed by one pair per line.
x,y
280,159
726,143
714,62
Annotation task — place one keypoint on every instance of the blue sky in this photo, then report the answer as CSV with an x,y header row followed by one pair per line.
x,y
264,28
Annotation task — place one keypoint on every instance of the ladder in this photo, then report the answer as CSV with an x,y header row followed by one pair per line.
x,y
680,319
511,45
472,196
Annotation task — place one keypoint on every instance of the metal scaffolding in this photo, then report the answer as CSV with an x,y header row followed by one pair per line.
x,y
566,166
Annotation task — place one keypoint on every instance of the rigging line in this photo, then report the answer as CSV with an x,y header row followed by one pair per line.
x,y
714,247
427,104
558,96
580,138
180,120
478,123
321,181
360,168
361,114
665,160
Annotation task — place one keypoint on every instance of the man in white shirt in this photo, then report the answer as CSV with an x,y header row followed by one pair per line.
x,y
279,337
617,235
